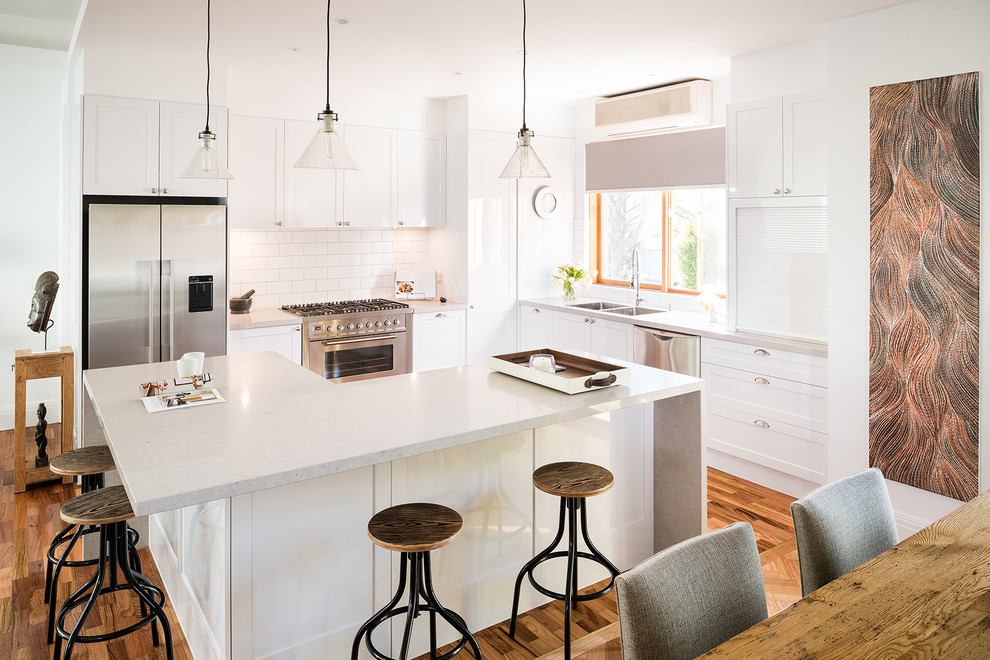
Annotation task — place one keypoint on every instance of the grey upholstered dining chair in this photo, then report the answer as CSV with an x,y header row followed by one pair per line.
x,y
842,525
691,597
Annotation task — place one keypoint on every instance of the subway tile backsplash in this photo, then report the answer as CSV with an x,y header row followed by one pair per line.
x,y
288,267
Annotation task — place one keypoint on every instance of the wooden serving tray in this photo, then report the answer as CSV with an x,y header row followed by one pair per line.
x,y
580,374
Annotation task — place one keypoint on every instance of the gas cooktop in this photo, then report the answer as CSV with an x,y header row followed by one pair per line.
x,y
344,307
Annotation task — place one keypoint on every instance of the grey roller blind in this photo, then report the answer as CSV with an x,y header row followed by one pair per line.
x,y
673,160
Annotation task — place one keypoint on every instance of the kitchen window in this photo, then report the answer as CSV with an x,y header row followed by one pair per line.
x,y
680,234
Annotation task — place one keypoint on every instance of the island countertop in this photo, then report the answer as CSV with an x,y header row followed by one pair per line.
x,y
282,423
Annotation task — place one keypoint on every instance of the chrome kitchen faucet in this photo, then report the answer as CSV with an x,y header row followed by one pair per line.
x,y
635,278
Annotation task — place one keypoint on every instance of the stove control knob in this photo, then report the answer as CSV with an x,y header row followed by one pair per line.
x,y
388,323
378,324
395,321
340,327
360,325
350,326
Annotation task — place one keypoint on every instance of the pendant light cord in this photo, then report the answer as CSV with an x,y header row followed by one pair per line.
x,y
328,58
207,66
524,65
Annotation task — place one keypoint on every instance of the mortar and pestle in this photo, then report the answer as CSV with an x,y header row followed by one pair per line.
x,y
242,303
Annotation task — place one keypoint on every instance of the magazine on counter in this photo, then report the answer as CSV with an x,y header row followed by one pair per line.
x,y
178,400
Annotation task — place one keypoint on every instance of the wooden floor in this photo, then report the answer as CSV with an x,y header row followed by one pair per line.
x,y
594,625
29,521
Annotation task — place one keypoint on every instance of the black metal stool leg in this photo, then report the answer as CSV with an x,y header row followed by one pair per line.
x,y
595,551
413,610
531,564
454,620
571,579
101,571
380,615
52,599
140,589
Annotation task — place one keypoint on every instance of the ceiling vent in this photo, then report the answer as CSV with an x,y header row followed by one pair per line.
x,y
674,106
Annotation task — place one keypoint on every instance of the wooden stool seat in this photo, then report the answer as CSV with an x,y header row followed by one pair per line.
x,y
83,461
573,479
418,527
103,506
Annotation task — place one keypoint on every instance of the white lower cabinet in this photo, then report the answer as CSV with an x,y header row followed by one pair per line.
x,y
535,328
286,340
767,414
191,549
584,333
438,339
302,574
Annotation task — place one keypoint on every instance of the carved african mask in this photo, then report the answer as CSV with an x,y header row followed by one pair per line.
x,y
42,301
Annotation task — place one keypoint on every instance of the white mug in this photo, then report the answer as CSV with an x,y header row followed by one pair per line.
x,y
186,367
198,356
542,362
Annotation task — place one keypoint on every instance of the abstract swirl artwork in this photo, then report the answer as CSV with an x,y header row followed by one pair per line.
x,y
925,283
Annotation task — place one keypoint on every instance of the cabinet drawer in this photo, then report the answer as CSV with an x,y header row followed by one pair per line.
x,y
777,445
766,396
799,367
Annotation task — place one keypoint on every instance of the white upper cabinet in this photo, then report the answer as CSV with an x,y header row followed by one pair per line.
x,y
370,191
120,146
139,147
421,179
256,195
312,195
778,147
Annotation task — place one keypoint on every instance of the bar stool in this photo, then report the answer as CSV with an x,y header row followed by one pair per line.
x,y
90,463
415,530
572,482
109,509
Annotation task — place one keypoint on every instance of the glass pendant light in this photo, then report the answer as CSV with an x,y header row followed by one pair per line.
x,y
206,163
326,149
524,162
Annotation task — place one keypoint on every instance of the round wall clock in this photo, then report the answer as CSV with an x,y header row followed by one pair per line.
x,y
546,201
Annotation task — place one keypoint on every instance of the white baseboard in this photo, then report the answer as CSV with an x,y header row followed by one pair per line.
x,y
53,416
908,525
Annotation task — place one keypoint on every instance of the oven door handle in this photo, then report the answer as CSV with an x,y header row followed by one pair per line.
x,y
334,342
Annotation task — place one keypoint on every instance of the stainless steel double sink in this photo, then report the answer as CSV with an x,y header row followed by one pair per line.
x,y
616,308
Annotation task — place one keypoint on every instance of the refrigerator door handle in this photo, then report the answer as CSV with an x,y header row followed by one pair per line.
x,y
154,275
168,312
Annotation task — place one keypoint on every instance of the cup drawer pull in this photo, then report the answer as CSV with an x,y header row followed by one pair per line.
x,y
761,424
762,352
761,381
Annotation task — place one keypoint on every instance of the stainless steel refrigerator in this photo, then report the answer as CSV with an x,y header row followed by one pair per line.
x,y
155,280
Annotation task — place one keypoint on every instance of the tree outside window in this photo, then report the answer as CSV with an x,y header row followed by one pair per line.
x,y
680,235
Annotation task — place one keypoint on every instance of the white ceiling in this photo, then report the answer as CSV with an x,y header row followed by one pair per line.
x,y
578,49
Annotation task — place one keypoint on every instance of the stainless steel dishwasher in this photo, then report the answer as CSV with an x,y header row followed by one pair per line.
x,y
668,350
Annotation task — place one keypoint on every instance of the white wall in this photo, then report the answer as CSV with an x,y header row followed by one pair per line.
x,y
909,42
30,171
800,67
152,76
259,94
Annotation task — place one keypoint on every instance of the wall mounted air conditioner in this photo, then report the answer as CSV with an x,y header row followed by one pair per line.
x,y
672,106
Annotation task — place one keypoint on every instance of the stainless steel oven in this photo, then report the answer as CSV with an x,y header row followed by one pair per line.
x,y
357,358
355,339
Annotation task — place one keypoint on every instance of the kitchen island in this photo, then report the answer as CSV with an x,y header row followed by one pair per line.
x,y
259,505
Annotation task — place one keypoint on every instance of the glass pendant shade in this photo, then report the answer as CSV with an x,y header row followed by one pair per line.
x,y
524,162
206,163
326,149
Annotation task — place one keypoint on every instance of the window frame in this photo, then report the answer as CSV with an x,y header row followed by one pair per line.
x,y
595,214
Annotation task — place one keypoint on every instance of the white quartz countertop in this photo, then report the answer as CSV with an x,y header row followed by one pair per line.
x,y
686,322
282,423
264,317
270,317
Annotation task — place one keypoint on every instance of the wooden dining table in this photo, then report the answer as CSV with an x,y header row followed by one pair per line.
x,y
927,597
